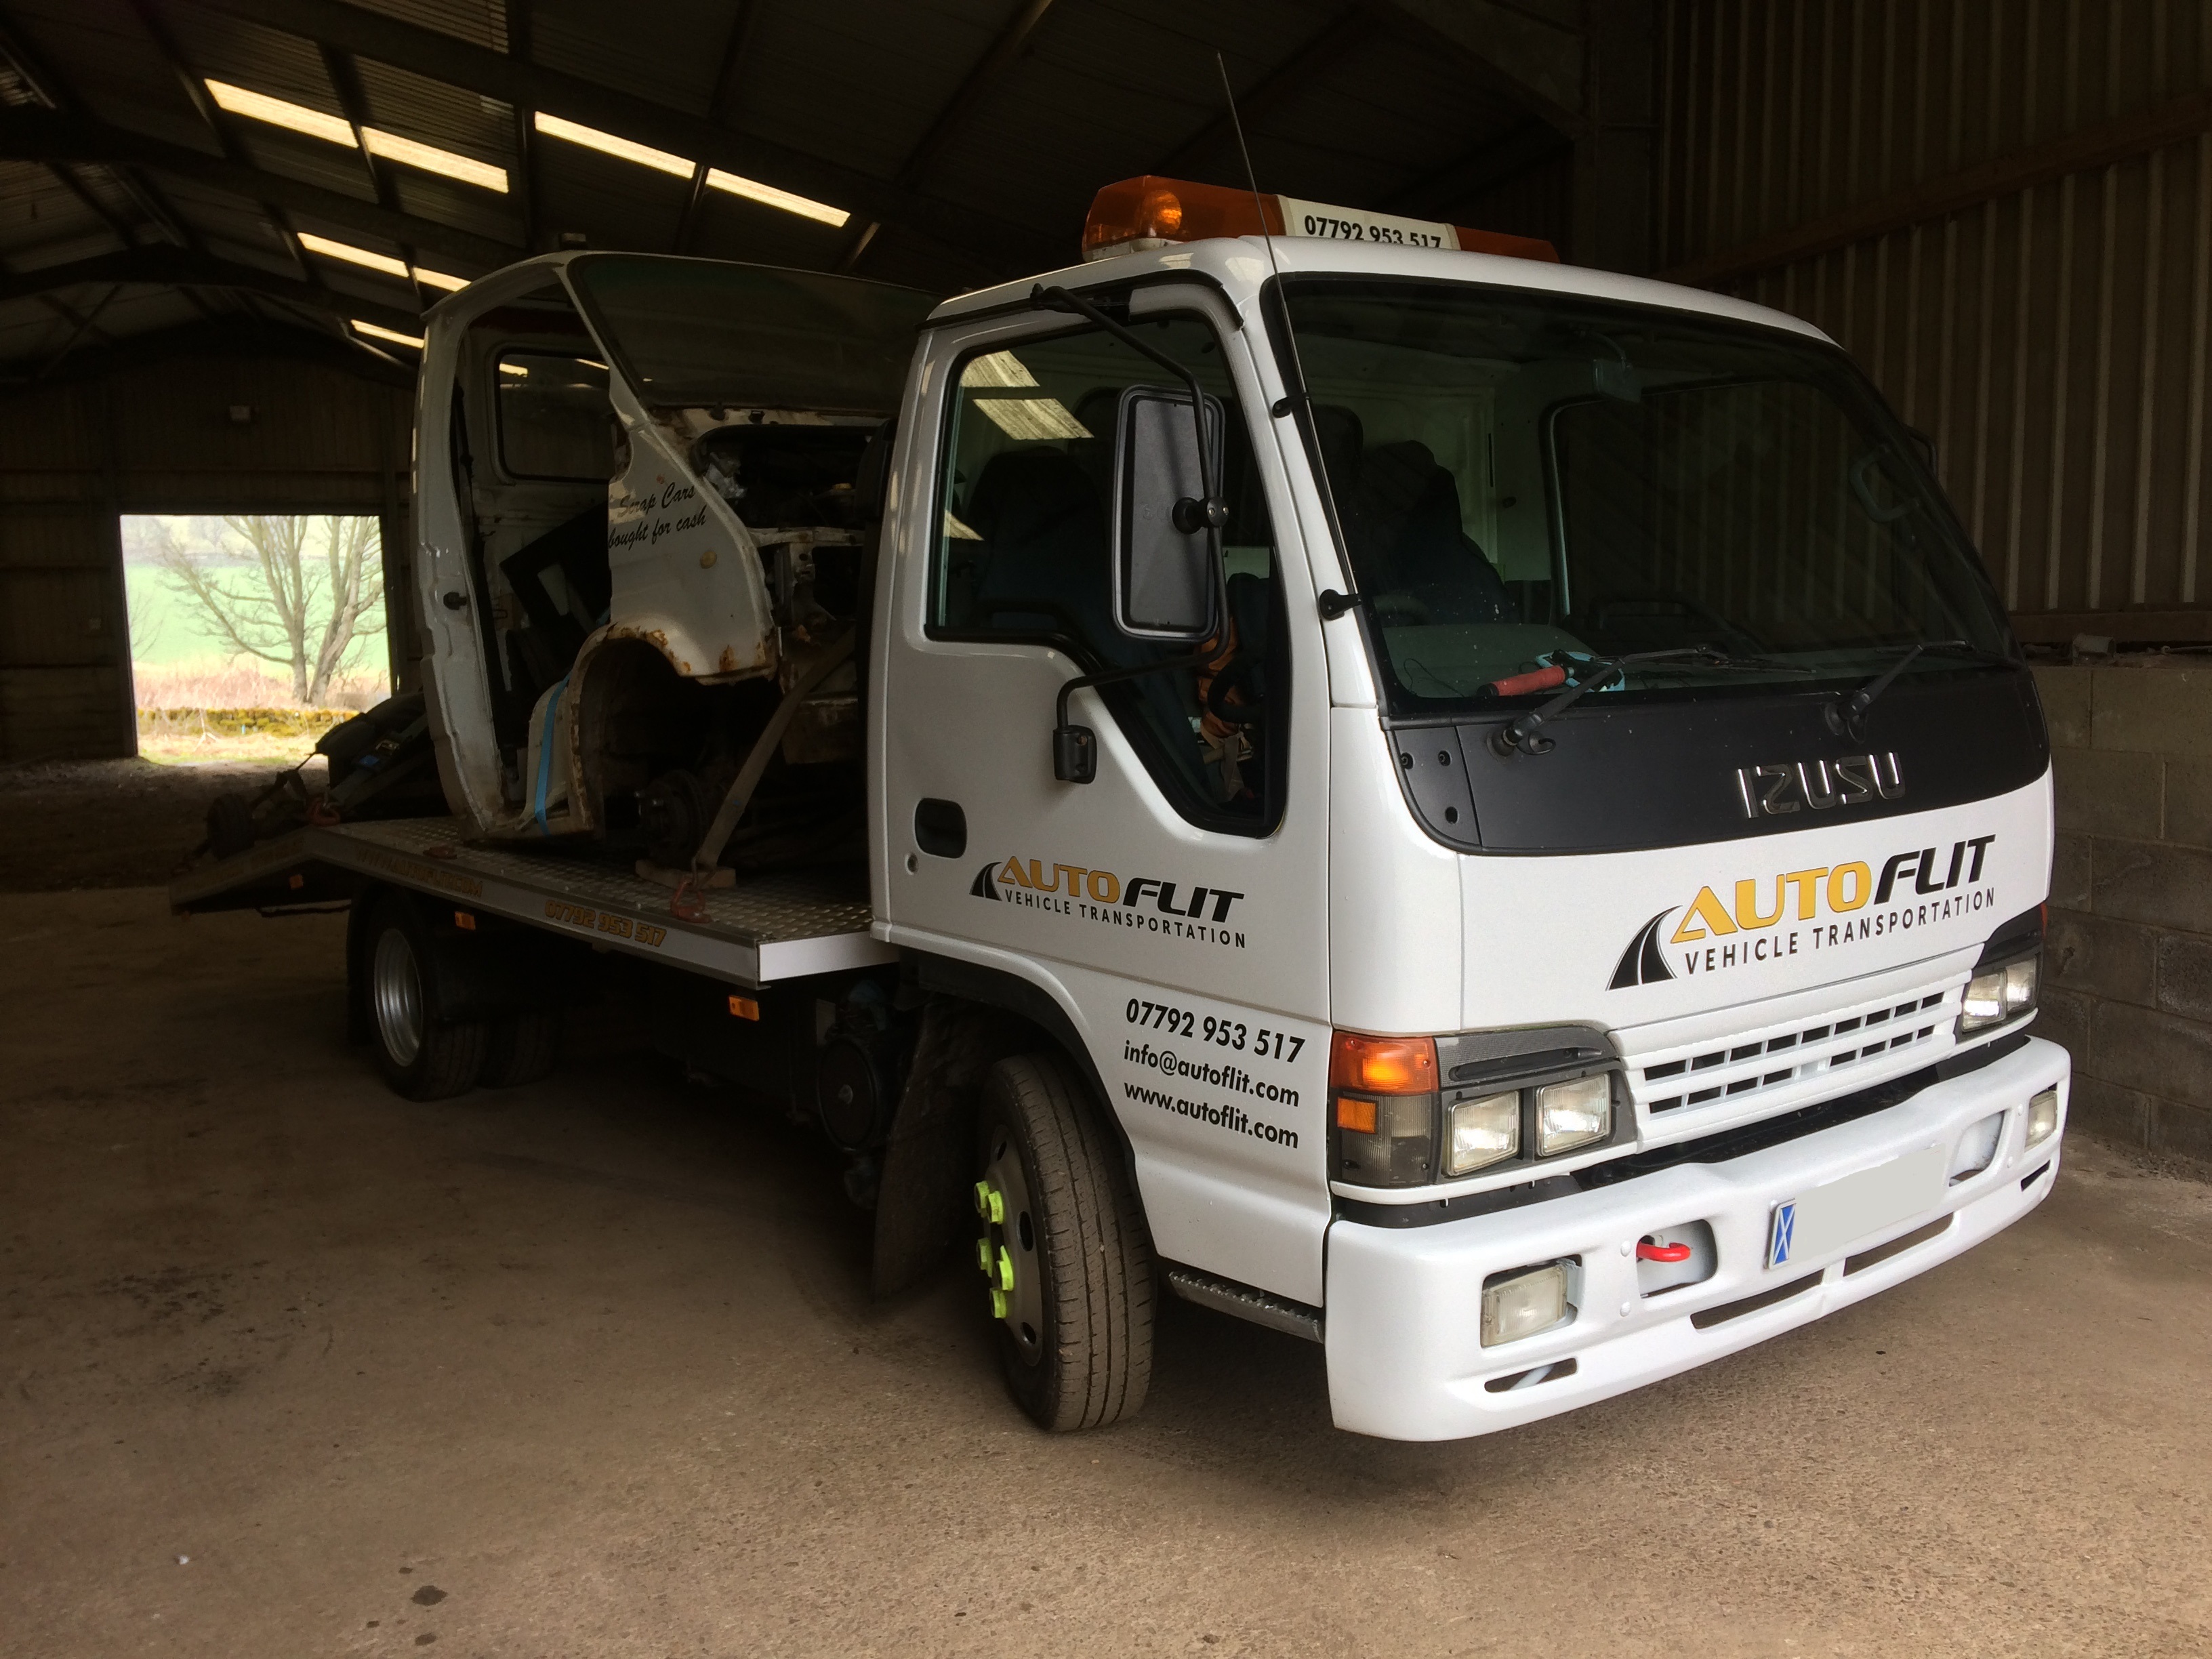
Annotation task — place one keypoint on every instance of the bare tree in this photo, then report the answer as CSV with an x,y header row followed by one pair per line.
x,y
289,606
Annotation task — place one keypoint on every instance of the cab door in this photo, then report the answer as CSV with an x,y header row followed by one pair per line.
x,y
513,451
1175,907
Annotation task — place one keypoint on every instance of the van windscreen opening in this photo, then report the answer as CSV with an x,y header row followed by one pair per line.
x,y
703,333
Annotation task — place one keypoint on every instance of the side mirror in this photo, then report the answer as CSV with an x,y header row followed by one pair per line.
x,y
1167,556
1167,524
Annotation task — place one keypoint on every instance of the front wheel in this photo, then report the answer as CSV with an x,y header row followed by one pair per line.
x,y
1063,1247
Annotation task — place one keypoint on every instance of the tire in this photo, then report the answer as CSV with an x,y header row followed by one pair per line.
x,y
422,1057
1074,1327
521,1048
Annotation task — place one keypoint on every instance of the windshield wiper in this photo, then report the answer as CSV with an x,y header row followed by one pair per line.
x,y
1519,736
1846,715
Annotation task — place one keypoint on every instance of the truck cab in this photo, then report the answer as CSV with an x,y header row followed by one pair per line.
x,y
1500,796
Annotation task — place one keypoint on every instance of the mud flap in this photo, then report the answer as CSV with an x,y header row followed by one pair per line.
x,y
923,1206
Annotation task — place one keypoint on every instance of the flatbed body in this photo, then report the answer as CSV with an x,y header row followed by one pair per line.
x,y
761,930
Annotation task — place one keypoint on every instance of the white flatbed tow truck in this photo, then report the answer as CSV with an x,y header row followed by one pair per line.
x,y
1482,814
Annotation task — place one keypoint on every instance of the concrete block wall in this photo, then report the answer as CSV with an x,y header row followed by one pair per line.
x,y
2127,960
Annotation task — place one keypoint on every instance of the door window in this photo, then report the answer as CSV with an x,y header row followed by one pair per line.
x,y
1023,553
554,419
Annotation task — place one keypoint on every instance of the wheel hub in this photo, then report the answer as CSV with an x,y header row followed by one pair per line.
x,y
396,989
1007,1251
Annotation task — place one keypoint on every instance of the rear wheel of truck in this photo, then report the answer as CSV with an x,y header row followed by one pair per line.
x,y
1063,1247
422,1056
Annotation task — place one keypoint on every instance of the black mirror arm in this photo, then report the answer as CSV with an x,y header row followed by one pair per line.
x,y
1116,676
1075,751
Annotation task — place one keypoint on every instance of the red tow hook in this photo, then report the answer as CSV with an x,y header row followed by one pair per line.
x,y
1647,1251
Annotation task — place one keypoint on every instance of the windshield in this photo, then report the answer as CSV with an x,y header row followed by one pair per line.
x,y
1525,482
700,333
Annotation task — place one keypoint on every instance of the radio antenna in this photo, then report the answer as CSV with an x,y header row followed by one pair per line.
x,y
1333,603
1259,207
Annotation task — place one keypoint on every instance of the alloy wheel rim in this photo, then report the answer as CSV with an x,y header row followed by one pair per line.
x,y
397,989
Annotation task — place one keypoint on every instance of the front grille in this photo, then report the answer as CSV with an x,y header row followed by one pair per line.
x,y
1754,1063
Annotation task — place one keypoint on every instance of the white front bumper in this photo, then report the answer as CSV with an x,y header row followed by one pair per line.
x,y
1404,1308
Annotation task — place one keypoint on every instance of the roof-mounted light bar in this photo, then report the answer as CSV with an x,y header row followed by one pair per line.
x,y
1138,215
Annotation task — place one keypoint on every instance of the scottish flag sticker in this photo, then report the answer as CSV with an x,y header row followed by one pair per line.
x,y
1780,1238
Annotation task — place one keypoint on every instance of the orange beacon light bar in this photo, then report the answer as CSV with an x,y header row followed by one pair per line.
x,y
1138,214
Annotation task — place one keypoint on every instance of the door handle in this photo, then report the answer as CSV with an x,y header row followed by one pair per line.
x,y
940,828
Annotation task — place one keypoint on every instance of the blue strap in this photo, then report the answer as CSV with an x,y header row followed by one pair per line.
x,y
546,750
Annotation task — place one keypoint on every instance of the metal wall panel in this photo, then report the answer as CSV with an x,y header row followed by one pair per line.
x,y
2052,339
158,437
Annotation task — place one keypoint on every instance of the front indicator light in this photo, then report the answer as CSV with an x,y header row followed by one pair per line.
x,y
2019,986
2042,1117
1383,1091
1524,1303
1573,1114
1385,1141
1478,1132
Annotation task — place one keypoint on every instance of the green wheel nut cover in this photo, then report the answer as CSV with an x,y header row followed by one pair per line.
x,y
1006,1270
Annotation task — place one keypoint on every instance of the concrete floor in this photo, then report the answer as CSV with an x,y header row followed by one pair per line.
x,y
291,1366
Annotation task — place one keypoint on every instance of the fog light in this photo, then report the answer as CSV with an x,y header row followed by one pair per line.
x,y
1481,1131
2042,1116
1523,1303
1570,1114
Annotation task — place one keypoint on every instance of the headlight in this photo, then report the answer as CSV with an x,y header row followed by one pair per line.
x,y
1574,1114
1480,1132
1995,995
1411,1111
2042,1116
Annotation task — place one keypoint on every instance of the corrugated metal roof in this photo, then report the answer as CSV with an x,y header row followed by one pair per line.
x,y
1351,101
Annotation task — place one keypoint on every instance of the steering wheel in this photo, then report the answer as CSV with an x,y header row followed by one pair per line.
x,y
1668,598
1400,608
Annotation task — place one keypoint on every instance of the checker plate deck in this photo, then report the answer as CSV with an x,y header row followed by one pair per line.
x,y
765,928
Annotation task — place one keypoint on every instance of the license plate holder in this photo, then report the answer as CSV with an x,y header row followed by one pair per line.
x,y
1819,1222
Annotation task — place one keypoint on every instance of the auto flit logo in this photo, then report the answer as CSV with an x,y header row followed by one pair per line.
x,y
1791,913
1643,962
1000,881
